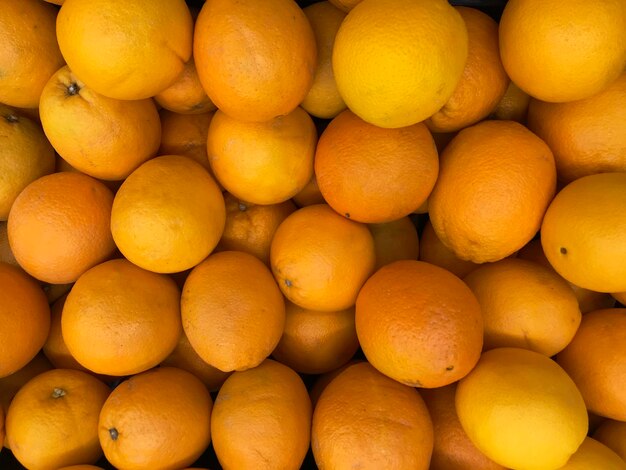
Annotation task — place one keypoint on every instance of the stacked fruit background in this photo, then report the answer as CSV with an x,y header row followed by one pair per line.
x,y
269,234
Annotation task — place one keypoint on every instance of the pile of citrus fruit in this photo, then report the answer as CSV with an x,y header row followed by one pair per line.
x,y
351,234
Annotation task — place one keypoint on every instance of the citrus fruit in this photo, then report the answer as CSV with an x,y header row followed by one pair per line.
x,y
394,241
256,60
524,305
10,384
323,99
371,174
560,50
120,319
588,300
613,435
309,195
483,82
433,251
29,54
521,409
594,454
185,357
24,319
345,5
587,136
366,420
320,259
262,162
452,449
582,230
25,156
232,310
185,134
59,226
53,420
515,172
315,342
159,419
262,419
123,50
419,324
594,360
103,137
397,62
168,215
251,227
186,95
513,106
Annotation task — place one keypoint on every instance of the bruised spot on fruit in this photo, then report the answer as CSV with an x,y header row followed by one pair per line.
x,y
288,283
347,214
242,207
73,89
114,434
58,393
450,368
11,118
563,250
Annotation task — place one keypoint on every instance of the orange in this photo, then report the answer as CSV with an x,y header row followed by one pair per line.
x,y
186,95
81,467
128,51
515,172
323,99
433,251
521,409
483,82
345,5
159,419
119,319
315,342
620,297
587,136
397,62
185,134
10,384
323,380
588,300
262,162
594,454
168,215
251,227
186,358
233,312
320,259
25,155
103,137
53,420
29,54
262,419
562,50
613,435
513,106
452,450
371,174
368,421
419,324
584,229
55,348
6,255
525,305
594,361
309,195
256,60
394,241
59,226
24,319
